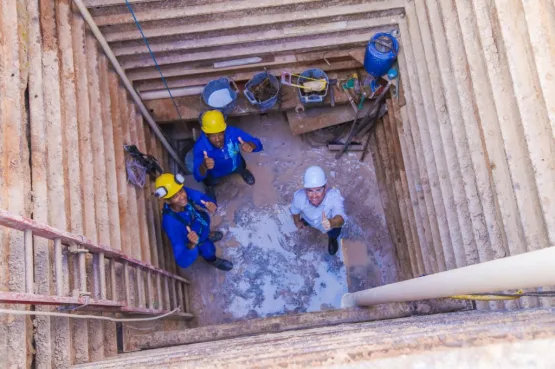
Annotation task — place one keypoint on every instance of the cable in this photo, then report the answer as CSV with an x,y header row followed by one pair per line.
x,y
63,315
153,57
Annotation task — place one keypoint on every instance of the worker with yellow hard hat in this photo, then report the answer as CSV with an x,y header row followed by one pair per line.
x,y
186,222
217,152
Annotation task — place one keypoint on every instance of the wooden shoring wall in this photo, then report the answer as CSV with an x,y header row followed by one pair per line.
x,y
64,120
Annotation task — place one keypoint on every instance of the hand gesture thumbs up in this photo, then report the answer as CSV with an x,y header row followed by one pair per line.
x,y
192,236
208,162
209,205
325,222
245,146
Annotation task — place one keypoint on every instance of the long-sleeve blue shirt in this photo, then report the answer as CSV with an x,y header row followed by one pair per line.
x,y
175,226
226,159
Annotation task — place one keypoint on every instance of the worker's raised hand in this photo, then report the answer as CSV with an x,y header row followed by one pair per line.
x,y
192,236
208,162
246,146
325,222
209,205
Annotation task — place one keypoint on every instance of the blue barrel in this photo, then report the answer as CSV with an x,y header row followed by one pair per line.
x,y
219,86
380,54
255,81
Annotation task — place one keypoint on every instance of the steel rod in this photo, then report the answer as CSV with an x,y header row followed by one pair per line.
x,y
528,270
167,301
29,264
113,279
159,300
127,288
58,267
119,70
179,288
102,275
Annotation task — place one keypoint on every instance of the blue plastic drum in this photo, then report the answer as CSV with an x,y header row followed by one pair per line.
x,y
380,54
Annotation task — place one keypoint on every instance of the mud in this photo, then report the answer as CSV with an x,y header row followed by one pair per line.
x,y
279,270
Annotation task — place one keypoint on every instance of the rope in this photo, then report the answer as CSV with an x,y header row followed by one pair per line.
x,y
153,57
64,315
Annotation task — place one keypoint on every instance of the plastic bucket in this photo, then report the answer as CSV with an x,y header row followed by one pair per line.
x,y
216,86
318,97
256,80
380,54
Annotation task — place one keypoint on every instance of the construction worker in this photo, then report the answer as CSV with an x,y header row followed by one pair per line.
x,y
187,227
319,206
217,152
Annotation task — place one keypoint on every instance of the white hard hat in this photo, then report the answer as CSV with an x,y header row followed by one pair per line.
x,y
314,177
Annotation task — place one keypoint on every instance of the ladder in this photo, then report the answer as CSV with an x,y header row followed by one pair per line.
x,y
146,289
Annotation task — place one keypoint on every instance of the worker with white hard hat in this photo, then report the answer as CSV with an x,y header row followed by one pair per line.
x,y
319,206
217,152
187,224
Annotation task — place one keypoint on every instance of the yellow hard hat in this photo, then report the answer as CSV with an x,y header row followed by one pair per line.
x,y
213,122
168,185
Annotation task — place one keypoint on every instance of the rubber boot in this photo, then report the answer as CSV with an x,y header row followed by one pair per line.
x,y
248,177
333,245
215,236
222,264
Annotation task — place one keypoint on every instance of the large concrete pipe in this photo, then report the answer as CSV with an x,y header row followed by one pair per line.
x,y
119,70
527,270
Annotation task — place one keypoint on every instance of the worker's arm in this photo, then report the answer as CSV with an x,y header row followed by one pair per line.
x,y
253,141
199,198
298,221
338,210
199,168
179,241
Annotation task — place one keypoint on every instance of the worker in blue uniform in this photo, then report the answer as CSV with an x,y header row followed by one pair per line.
x,y
217,152
186,224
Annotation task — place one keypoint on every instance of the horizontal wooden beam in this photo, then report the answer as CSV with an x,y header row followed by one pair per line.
x,y
195,69
253,50
240,38
105,3
33,299
112,33
243,76
180,11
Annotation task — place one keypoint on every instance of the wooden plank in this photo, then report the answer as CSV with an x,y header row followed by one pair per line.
x,y
132,211
116,34
57,215
111,178
147,195
135,120
39,171
126,230
155,203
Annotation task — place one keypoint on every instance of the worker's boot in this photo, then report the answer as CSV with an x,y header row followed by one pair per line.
x,y
215,236
222,264
247,177
333,245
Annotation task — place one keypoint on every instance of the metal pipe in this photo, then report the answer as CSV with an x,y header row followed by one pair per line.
x,y
58,267
29,267
528,270
119,70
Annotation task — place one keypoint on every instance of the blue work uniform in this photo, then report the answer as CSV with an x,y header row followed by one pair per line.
x,y
228,159
175,225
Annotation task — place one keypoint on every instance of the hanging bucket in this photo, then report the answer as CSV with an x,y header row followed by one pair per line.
x,y
312,97
219,95
380,54
262,90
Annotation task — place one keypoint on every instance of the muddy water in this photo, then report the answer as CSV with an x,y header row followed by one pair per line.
x,y
279,270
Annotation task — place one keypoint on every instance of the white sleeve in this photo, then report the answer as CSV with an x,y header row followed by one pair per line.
x,y
337,206
296,205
